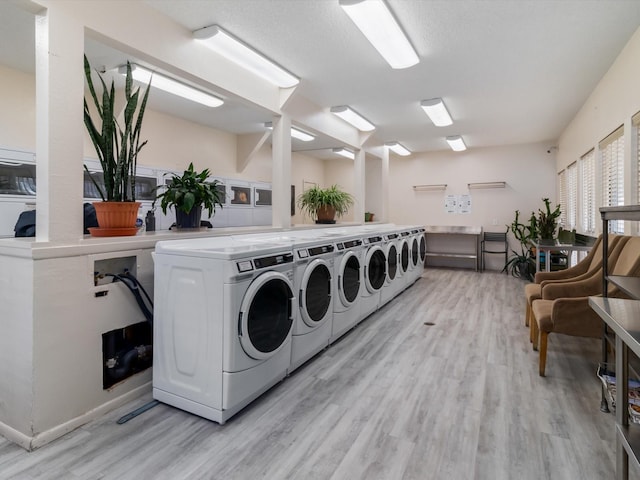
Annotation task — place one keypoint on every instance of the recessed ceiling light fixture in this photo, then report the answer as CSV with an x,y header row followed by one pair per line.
x,y
437,112
377,23
239,52
170,85
456,143
354,118
295,133
398,148
344,153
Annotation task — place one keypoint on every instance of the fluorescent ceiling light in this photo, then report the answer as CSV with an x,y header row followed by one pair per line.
x,y
295,133
456,143
376,22
237,51
396,147
437,112
345,153
355,119
167,84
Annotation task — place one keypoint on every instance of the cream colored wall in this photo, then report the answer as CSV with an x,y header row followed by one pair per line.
x,y
18,112
305,169
340,172
528,170
373,180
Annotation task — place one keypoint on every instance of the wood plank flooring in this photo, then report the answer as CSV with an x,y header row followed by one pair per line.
x,y
394,399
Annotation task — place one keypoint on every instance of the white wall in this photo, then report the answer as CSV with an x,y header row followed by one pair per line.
x,y
340,172
528,170
18,112
305,169
373,181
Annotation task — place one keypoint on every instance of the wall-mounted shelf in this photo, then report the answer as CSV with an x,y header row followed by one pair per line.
x,y
430,188
477,185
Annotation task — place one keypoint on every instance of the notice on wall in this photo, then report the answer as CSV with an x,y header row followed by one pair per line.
x,y
457,204
451,203
464,204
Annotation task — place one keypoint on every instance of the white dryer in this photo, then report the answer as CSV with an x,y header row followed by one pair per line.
x,y
394,283
404,253
224,314
313,271
416,266
347,285
374,274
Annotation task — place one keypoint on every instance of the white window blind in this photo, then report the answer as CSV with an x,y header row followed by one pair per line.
x,y
635,120
572,196
587,166
612,161
562,195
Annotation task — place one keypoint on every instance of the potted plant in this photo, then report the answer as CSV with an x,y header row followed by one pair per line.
x,y
547,223
324,204
522,264
117,145
188,194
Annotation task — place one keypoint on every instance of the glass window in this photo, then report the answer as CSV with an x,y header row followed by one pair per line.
x,y
572,196
562,196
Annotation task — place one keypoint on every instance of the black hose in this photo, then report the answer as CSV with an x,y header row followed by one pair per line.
x,y
127,360
134,287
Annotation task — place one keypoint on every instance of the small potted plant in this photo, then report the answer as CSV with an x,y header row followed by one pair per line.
x,y
188,194
547,223
324,204
522,264
117,144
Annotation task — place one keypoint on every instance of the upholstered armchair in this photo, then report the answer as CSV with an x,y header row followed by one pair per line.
x,y
588,266
564,306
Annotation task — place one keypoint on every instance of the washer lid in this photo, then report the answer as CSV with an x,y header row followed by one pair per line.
x,y
224,248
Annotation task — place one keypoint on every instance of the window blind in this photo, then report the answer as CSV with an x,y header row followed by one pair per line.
x,y
562,195
572,196
612,161
635,120
587,165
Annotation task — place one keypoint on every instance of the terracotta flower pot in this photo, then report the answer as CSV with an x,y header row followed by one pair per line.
x,y
115,218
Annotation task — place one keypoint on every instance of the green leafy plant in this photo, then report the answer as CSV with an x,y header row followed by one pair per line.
x,y
522,264
547,221
191,190
315,198
117,147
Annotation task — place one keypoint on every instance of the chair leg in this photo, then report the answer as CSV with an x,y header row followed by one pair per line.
x,y
543,353
527,314
533,331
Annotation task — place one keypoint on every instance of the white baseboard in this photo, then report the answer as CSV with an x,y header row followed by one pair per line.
x,y
32,442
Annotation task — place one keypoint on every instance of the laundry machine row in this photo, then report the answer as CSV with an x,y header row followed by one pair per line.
x,y
235,315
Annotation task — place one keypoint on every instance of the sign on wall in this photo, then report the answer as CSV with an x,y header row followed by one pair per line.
x,y
457,203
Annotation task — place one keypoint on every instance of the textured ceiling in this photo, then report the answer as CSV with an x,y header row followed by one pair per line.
x,y
510,72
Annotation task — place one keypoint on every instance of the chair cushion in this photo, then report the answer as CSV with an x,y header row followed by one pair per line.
x,y
532,291
542,313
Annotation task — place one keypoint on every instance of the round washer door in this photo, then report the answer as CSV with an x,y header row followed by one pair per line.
x,y
423,249
375,269
414,252
404,257
392,262
266,315
315,293
349,279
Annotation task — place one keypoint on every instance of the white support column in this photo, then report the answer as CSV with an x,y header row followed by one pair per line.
x,y
59,126
281,178
384,190
359,186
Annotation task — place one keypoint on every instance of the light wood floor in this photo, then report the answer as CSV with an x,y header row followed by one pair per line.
x,y
394,399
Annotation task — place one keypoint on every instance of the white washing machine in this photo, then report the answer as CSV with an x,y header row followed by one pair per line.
x,y
404,253
224,315
374,274
416,266
313,271
394,283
